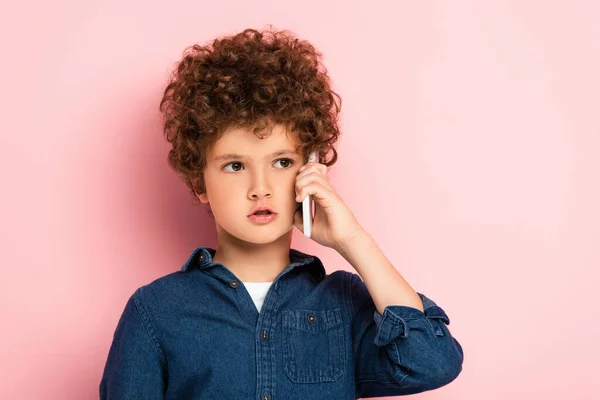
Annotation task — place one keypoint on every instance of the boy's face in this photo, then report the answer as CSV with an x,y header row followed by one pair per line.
x,y
235,186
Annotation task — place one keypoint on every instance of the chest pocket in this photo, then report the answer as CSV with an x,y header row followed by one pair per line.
x,y
313,345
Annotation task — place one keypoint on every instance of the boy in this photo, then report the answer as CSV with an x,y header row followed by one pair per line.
x,y
256,319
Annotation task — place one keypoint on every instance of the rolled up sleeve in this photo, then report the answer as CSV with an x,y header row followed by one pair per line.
x,y
402,351
135,367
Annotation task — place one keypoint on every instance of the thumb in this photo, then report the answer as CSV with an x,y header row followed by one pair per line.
x,y
298,220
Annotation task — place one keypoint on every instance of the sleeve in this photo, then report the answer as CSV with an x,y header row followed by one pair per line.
x,y
404,351
136,366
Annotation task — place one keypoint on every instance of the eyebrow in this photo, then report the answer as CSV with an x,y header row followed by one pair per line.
x,y
232,156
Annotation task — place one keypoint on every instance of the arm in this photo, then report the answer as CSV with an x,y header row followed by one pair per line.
x,y
400,346
136,366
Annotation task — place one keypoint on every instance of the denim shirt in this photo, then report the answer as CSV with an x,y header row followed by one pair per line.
x,y
196,334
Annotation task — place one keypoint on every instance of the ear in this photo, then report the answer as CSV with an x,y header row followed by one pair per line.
x,y
202,197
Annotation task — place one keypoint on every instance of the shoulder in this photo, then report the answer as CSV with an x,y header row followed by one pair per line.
x,y
338,284
347,279
340,276
169,288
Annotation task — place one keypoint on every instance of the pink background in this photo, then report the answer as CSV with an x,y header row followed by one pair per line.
x,y
470,131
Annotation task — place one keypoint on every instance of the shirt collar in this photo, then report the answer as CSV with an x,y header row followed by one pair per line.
x,y
202,256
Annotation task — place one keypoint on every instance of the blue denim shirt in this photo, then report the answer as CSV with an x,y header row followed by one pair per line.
x,y
196,334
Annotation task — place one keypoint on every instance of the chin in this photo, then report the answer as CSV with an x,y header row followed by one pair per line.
x,y
253,237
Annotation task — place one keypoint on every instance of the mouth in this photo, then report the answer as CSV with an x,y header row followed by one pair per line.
x,y
262,217
263,212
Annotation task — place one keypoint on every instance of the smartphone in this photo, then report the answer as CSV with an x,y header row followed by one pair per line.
x,y
307,204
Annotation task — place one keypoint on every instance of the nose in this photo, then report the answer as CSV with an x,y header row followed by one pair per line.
x,y
261,185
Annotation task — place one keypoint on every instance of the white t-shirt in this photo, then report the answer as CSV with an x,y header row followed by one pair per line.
x,y
258,292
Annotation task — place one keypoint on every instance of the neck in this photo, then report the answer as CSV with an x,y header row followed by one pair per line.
x,y
254,262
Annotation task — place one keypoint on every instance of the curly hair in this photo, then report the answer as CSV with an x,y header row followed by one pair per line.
x,y
251,80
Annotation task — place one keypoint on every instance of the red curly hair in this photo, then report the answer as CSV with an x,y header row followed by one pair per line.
x,y
250,80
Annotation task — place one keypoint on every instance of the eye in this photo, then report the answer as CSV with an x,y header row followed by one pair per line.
x,y
287,161
233,163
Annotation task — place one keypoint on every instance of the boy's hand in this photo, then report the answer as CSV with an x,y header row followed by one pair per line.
x,y
333,222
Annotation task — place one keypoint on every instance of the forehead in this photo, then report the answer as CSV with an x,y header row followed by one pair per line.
x,y
244,141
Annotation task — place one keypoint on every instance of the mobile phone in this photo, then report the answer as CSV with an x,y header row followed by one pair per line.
x,y
307,204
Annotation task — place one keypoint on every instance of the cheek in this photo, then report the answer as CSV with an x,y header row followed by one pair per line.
x,y
292,191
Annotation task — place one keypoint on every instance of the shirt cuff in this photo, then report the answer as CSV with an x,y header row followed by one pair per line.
x,y
396,321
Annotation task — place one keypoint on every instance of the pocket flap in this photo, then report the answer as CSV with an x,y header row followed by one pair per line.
x,y
312,320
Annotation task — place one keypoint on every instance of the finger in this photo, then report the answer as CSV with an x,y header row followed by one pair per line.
x,y
307,172
310,172
322,168
311,179
315,189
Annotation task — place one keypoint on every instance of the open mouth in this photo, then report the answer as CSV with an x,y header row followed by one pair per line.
x,y
263,217
263,212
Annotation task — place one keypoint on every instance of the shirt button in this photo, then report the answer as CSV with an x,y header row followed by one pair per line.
x,y
264,336
311,318
233,284
266,397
